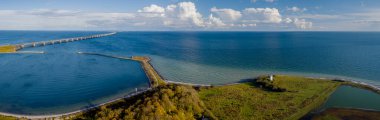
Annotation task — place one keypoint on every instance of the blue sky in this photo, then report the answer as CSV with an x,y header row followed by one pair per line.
x,y
199,15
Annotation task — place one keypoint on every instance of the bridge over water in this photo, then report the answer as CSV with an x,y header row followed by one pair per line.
x,y
59,41
14,48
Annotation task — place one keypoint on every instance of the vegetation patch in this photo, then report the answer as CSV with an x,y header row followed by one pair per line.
x,y
270,83
7,118
347,114
249,101
166,102
7,49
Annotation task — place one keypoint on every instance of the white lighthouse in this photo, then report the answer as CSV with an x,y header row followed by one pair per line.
x,y
271,77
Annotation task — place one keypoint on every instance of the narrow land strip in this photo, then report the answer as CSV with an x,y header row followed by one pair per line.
x,y
153,76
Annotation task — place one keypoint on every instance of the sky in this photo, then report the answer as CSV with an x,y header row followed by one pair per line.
x,y
191,15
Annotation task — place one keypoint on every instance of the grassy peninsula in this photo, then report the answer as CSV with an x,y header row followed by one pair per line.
x,y
259,100
256,99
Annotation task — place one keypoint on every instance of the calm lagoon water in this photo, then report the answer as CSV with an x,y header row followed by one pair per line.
x,y
61,80
350,97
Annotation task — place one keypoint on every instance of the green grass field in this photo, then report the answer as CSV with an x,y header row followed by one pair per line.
x,y
248,101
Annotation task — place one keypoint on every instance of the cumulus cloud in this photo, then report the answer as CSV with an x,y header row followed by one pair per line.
x,y
302,23
152,9
226,14
248,17
298,23
265,15
183,14
187,11
215,22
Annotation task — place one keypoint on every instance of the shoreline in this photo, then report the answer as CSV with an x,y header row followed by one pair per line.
x,y
64,115
352,83
348,82
68,114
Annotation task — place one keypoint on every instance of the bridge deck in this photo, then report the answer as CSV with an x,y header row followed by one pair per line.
x,y
14,48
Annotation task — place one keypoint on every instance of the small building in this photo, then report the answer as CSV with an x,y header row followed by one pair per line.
x,y
271,77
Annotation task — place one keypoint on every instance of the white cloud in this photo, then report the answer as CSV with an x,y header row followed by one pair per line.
x,y
302,23
227,14
320,16
181,16
265,15
188,11
298,23
288,20
50,12
170,8
244,25
269,1
153,9
296,9
215,22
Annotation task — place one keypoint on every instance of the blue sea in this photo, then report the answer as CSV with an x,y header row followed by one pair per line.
x,y
63,81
